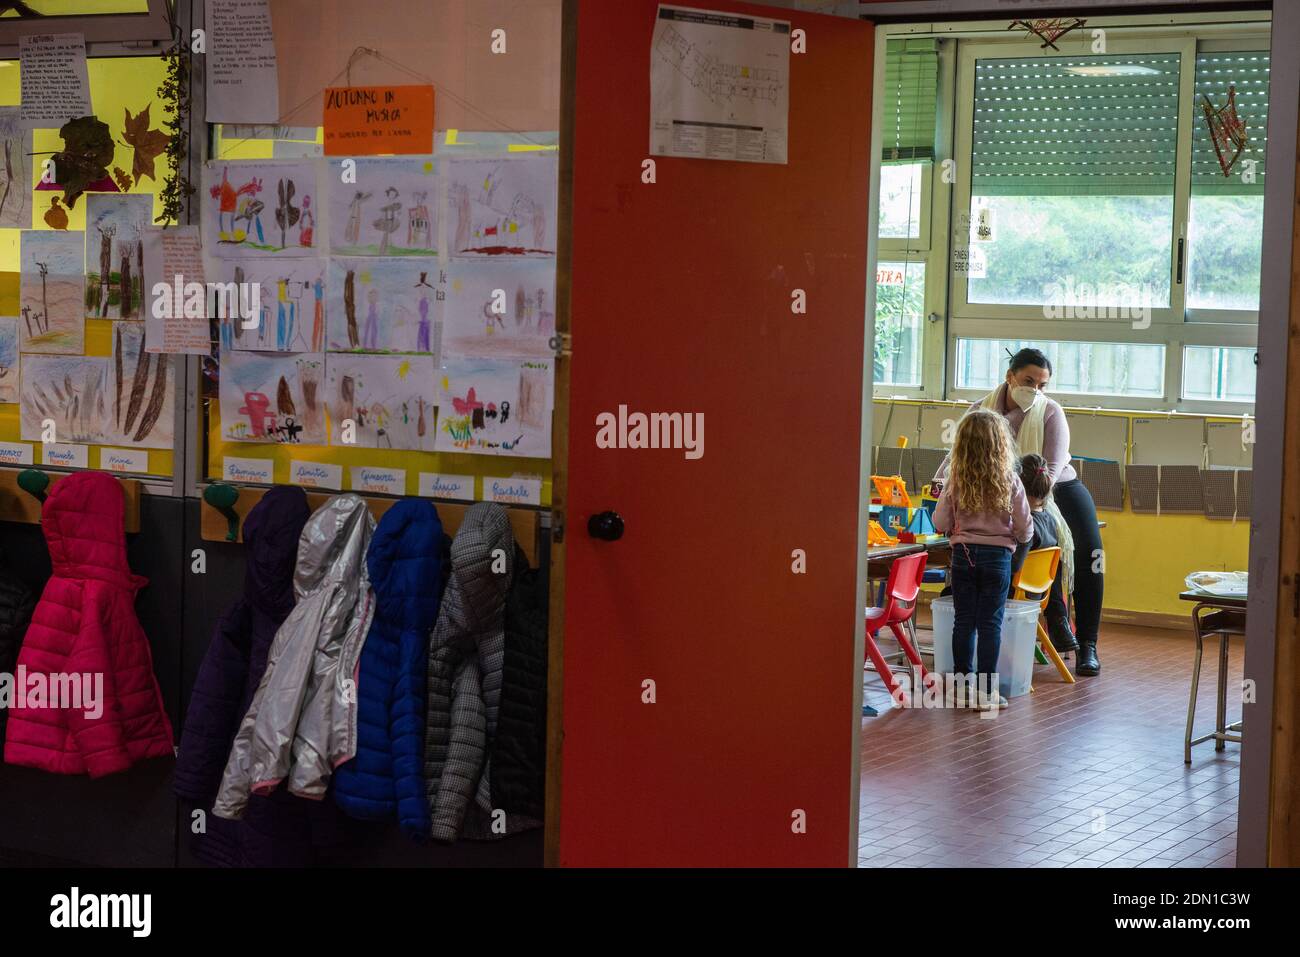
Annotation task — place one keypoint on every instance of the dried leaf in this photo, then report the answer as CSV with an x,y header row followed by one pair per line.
x,y
123,179
148,143
87,151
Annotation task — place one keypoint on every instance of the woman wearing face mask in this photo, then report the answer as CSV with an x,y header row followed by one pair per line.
x,y
1040,427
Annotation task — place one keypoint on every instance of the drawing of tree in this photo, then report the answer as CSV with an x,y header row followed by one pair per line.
x,y
105,265
286,214
387,222
45,299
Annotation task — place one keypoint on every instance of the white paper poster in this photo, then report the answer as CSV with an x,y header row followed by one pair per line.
x,y
719,86
179,255
242,79
52,74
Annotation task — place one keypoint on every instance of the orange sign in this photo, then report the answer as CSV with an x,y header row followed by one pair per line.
x,y
370,120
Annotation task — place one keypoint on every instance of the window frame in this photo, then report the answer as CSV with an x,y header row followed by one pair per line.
x,y
128,28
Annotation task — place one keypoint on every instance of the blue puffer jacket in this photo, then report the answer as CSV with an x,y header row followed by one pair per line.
x,y
387,774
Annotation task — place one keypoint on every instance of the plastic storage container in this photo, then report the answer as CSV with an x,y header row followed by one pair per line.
x,y
1016,657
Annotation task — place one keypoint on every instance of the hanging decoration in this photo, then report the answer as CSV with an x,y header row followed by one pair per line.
x,y
1227,130
1049,30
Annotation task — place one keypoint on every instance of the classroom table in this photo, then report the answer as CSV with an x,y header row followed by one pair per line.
x,y
1223,616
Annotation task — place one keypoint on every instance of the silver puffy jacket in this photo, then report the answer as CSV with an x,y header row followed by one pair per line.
x,y
303,719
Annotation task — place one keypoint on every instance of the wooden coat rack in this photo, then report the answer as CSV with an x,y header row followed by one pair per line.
x,y
19,505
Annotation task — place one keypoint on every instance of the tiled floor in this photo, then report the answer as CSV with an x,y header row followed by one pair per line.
x,y
1084,775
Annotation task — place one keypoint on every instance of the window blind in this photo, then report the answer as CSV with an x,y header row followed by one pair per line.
x,y
1090,125
911,86
1248,74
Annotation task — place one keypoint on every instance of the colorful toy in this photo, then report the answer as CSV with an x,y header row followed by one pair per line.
x,y
893,518
921,523
877,535
892,490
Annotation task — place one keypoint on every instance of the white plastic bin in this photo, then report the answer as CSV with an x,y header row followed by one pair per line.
x,y
1016,657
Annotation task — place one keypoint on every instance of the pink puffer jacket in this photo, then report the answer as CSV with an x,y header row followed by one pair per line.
x,y
85,636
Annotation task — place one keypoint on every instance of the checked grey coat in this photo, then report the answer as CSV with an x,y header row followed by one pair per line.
x,y
303,719
466,654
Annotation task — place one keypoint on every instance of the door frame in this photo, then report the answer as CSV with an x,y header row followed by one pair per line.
x,y
1267,835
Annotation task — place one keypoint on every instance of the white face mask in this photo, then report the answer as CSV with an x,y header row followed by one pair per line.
x,y
1024,396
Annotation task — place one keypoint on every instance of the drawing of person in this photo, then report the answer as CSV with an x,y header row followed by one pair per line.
x,y
370,339
418,227
318,320
387,221
295,303
306,224
352,231
422,341
281,304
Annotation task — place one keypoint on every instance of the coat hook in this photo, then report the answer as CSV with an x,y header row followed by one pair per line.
x,y
222,497
35,483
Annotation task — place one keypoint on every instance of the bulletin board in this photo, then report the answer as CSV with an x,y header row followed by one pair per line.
x,y
485,105
271,150
118,85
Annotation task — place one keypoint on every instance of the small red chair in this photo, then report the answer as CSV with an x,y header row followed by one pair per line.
x,y
904,584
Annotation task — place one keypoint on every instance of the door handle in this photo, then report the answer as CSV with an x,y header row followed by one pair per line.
x,y
607,526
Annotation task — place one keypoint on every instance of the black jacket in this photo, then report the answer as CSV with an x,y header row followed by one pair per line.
x,y
518,754
16,605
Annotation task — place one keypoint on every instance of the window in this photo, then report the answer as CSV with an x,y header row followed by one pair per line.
x,y
1218,373
900,307
1073,157
900,201
1078,368
1226,219
909,127
1092,216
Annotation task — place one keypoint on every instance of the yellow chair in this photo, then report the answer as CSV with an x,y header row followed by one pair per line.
x,y
1035,577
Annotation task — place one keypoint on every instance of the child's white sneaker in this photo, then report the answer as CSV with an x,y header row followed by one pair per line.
x,y
991,702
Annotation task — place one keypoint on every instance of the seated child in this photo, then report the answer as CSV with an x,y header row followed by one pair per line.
x,y
1038,487
984,511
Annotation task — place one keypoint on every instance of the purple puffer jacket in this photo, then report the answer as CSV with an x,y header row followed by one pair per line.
x,y
278,830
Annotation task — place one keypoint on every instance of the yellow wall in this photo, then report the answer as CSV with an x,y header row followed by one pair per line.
x,y
1148,556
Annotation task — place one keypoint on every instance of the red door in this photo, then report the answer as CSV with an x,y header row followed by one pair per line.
x,y
682,295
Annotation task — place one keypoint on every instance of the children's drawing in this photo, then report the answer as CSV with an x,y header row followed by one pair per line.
x,y
272,398
496,407
504,307
143,406
389,401
15,172
390,210
52,292
259,209
8,358
289,295
502,206
115,279
384,305
70,391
